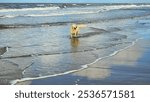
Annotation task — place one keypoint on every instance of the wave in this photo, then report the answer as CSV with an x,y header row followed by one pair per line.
x,y
100,7
40,5
9,16
48,15
83,67
30,9
96,10
9,26
88,4
58,14
115,7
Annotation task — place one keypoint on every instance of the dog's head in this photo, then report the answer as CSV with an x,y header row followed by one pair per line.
x,y
74,26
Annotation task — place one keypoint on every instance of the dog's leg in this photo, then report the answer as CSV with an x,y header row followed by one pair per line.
x,y
75,34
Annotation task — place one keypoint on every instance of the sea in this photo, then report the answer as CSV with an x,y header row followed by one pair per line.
x,y
35,37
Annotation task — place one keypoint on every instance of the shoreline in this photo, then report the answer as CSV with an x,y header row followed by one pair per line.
x,y
103,71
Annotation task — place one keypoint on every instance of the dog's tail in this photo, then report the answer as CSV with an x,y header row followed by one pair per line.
x,y
82,25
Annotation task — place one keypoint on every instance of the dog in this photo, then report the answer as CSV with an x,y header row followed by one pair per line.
x,y
75,30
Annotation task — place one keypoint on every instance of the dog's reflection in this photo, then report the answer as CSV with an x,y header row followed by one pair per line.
x,y
75,42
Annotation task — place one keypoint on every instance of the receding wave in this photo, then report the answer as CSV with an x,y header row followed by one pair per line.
x,y
83,67
59,53
9,26
96,31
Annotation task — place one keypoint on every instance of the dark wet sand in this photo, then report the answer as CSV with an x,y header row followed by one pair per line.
x,y
128,67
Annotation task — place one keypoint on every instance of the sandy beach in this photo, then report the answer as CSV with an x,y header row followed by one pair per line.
x,y
112,47
128,67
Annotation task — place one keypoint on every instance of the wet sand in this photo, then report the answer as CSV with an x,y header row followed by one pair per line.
x,y
128,67
35,44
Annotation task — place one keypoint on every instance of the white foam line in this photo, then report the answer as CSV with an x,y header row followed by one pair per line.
x,y
72,71
47,15
8,16
48,76
61,14
115,7
74,4
30,9
115,52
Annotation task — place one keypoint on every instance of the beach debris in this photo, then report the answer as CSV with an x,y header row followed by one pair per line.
x,y
3,50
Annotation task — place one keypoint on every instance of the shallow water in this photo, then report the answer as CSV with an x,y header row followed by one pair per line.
x,y
37,38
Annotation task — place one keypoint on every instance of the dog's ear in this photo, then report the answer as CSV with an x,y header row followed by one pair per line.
x,y
72,27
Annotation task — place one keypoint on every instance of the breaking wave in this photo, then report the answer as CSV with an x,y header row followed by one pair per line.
x,y
29,9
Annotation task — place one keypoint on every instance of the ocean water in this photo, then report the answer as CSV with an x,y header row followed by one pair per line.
x,y
35,38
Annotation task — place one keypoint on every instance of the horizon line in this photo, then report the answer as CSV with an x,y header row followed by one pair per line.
x,y
82,2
